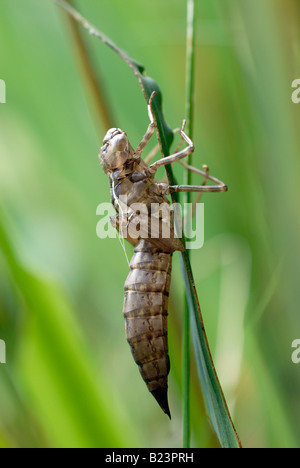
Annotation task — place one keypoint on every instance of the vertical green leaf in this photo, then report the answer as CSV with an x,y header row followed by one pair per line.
x,y
57,368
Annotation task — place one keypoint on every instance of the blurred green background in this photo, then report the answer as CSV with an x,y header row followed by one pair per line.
x,y
70,380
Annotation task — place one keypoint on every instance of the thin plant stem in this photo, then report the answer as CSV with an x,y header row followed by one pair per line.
x,y
189,112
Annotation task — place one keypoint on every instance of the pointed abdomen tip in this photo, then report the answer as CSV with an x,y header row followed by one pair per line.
x,y
161,396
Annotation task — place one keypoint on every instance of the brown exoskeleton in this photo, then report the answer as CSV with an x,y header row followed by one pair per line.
x,y
148,283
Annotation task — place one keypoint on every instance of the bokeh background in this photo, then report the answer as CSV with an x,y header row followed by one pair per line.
x,y
70,380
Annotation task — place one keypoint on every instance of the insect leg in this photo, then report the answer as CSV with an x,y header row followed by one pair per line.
x,y
150,129
152,153
207,176
176,156
178,130
221,187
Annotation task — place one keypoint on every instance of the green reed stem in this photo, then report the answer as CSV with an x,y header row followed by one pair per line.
x,y
189,113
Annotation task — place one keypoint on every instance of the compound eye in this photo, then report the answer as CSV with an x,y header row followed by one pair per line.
x,y
119,142
111,133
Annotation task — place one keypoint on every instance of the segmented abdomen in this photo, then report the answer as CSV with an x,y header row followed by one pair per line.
x,y
145,311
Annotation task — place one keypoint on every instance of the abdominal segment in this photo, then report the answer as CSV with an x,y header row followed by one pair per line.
x,y
145,311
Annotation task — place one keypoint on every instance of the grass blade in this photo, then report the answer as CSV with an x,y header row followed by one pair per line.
x,y
94,83
56,367
212,392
